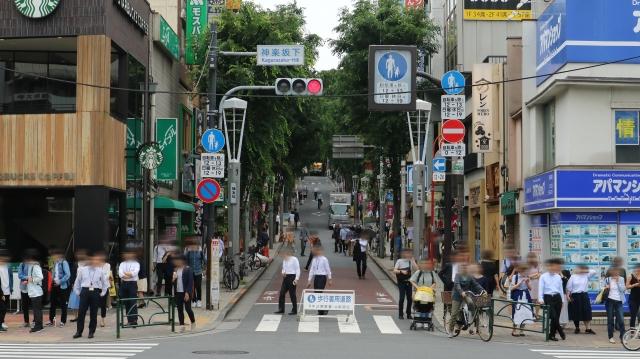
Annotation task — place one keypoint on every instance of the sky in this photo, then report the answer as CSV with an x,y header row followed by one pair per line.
x,y
322,17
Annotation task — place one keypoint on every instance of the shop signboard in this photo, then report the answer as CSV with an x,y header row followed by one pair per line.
x,y
598,188
539,192
509,203
495,10
586,31
166,37
196,25
167,139
485,98
36,10
626,127
133,143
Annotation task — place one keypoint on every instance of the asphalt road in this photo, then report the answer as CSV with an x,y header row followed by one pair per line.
x,y
251,330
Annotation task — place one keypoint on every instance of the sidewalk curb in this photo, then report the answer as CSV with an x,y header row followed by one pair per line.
x,y
380,266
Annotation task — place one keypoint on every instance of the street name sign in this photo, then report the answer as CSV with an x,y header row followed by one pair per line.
x,y
280,55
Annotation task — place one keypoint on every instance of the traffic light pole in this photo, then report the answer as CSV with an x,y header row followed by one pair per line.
x,y
210,209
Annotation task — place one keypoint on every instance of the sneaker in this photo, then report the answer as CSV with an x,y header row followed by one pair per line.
x,y
199,304
612,341
61,325
50,324
450,335
4,325
35,330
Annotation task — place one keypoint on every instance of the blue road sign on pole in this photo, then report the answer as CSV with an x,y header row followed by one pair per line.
x,y
213,140
453,82
439,164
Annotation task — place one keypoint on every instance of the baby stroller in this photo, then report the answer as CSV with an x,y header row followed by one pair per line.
x,y
423,304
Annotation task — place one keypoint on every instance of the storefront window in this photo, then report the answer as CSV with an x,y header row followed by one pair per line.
x,y
126,73
549,127
627,137
22,91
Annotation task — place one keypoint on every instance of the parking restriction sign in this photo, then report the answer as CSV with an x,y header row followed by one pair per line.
x,y
212,165
452,107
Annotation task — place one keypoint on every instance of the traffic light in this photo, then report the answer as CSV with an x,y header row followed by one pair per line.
x,y
299,87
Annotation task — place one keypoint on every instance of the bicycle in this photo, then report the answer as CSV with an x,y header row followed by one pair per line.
x,y
230,278
631,339
243,267
476,319
255,262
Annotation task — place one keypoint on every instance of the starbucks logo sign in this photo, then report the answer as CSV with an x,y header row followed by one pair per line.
x,y
36,8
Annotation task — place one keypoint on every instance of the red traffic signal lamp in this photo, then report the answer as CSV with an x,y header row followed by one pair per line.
x,y
299,87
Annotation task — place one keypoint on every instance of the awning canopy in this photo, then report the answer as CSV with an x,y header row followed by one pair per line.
x,y
162,203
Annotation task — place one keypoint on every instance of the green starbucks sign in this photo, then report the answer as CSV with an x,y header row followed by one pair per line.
x,y
36,9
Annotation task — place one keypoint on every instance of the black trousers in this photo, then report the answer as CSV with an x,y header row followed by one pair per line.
x,y
555,307
36,305
406,291
130,290
25,302
337,245
183,306
89,300
160,269
59,299
197,282
4,305
303,246
319,283
361,264
288,286
309,261
103,305
634,306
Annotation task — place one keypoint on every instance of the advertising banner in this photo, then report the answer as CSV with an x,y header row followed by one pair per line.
x,y
539,192
166,37
133,143
196,25
485,105
497,10
167,138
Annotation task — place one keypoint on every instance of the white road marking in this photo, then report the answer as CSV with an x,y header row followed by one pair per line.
x,y
587,354
309,325
350,327
269,323
386,325
73,351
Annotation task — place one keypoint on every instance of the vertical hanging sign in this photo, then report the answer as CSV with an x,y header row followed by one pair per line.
x,y
133,141
167,139
485,105
196,25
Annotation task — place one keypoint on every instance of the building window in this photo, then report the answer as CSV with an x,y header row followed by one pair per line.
x,y
627,138
549,128
23,92
126,73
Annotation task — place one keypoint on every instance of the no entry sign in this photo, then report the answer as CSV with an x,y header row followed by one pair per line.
x,y
208,190
453,131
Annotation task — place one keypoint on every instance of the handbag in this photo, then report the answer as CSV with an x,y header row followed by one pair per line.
x,y
523,312
603,295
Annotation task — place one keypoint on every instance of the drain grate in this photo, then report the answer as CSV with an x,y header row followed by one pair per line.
x,y
220,352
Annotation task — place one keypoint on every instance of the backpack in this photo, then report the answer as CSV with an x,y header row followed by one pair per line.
x,y
433,279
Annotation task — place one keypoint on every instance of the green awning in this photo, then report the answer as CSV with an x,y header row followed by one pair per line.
x,y
162,203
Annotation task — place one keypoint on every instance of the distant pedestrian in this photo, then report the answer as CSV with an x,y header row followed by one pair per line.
x,y
489,271
520,289
128,273
634,295
344,237
183,286
337,241
296,217
6,284
91,285
315,193
615,302
578,297
360,245
304,238
314,241
34,283
319,201
25,303
105,300
320,273
60,288
403,269
551,293
159,260
290,276
195,262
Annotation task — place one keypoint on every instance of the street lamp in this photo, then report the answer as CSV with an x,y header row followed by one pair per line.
x,y
421,120
356,183
234,112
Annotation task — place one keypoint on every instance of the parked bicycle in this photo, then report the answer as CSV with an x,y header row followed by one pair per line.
x,y
243,267
476,316
230,278
631,339
255,260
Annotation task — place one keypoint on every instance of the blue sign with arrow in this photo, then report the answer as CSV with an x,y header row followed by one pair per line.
x,y
453,82
213,140
439,164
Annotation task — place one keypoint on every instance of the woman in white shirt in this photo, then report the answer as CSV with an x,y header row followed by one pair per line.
x,y
578,297
615,302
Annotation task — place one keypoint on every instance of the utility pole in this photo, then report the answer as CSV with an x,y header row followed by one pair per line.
x,y
381,214
403,198
210,209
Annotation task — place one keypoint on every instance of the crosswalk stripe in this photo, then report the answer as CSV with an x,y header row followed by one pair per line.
x,y
309,325
587,354
65,356
269,323
129,352
350,327
386,325
74,351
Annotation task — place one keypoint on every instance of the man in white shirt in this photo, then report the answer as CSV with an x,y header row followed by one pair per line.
x,y
5,287
128,273
551,293
290,274
91,285
160,265
33,283
320,272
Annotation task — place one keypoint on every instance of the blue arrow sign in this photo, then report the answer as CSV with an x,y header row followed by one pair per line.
x,y
453,82
213,140
439,164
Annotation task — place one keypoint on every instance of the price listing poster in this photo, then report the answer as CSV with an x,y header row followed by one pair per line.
x,y
630,229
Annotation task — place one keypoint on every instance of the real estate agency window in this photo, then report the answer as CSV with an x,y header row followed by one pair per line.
x,y
627,138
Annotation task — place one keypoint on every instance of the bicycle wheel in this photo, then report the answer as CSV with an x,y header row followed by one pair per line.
x,y
234,279
631,339
226,279
483,327
456,328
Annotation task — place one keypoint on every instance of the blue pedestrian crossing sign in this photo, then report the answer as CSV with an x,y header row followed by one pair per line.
x,y
213,140
453,82
439,164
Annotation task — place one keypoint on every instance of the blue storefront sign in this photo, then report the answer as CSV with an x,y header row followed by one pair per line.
x,y
560,189
586,31
626,123
539,192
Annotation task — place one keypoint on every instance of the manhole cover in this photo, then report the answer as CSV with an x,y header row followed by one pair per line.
x,y
220,352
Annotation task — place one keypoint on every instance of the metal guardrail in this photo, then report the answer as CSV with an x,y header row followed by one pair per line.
x,y
168,309
503,304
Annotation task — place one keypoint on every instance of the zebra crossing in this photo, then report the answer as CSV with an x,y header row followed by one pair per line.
x,y
384,324
74,350
588,354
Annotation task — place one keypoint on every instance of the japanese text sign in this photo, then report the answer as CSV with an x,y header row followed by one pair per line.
x,y
329,301
452,107
626,128
196,24
392,78
212,165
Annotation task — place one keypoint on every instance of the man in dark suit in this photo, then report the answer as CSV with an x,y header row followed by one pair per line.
x,y
183,289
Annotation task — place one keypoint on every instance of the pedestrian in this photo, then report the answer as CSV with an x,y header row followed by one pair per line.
x,y
489,271
34,283
403,269
534,273
105,300
82,259
25,303
290,277
337,241
551,293
60,288
615,287
320,201
578,297
296,217
91,285
508,264
462,285
314,241
315,193
634,295
360,244
128,273
195,261
618,262
6,284
320,273
159,261
344,237
304,238
183,286
520,291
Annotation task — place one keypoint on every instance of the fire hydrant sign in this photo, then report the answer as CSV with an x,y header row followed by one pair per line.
x,y
212,165
452,107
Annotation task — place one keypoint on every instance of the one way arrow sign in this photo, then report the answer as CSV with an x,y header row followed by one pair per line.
x,y
439,164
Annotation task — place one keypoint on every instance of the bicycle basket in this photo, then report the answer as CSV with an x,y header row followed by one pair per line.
x,y
481,301
447,297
